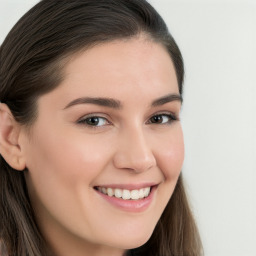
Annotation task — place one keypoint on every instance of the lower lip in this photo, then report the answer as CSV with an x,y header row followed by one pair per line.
x,y
130,205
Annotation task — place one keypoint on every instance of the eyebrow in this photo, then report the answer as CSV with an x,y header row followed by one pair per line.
x,y
116,104
166,99
106,102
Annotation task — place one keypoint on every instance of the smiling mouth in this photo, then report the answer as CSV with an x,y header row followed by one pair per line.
x,y
125,194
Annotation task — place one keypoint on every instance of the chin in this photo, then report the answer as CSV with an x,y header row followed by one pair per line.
x,y
134,241
137,244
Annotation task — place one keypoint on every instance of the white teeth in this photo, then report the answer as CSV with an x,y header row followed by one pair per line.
x,y
135,194
141,193
118,193
126,194
104,190
110,192
146,191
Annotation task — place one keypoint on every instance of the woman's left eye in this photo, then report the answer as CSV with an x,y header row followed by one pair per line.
x,y
162,119
94,121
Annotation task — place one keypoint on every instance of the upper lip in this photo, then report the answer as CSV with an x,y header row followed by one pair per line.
x,y
129,186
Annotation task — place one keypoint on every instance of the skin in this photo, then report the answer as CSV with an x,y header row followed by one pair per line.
x,y
66,158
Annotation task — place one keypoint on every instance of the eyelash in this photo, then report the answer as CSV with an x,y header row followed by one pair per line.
x,y
171,118
85,120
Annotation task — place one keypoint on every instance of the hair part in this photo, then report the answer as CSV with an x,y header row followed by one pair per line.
x,y
33,57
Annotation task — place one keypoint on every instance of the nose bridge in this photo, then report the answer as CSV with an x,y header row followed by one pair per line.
x,y
134,151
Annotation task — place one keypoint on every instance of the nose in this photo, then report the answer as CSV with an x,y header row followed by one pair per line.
x,y
133,153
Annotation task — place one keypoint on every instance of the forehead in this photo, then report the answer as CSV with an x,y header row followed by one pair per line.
x,y
119,69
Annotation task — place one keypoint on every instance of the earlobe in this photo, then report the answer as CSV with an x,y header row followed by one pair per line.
x,y
9,139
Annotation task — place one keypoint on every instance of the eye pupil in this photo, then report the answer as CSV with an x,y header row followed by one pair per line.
x,y
93,121
157,119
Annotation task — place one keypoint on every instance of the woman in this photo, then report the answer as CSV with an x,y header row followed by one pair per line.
x,y
91,143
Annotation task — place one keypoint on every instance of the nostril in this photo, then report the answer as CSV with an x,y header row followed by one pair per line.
x,y
134,163
133,152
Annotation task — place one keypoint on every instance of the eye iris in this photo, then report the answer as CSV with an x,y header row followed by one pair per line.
x,y
93,121
157,119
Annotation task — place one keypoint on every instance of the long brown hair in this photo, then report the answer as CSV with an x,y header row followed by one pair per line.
x,y
32,57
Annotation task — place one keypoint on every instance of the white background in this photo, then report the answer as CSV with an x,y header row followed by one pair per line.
x,y
218,42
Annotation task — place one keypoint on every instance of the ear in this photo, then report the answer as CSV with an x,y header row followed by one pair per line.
x,y
9,139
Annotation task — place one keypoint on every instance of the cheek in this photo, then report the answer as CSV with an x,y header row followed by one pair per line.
x,y
68,163
61,168
170,155
86,159
61,171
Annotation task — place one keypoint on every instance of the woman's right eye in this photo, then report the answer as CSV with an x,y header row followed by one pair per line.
x,y
94,121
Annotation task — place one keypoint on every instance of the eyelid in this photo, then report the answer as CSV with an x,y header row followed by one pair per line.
x,y
82,120
172,115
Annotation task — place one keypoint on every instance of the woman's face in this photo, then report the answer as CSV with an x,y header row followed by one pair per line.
x,y
111,127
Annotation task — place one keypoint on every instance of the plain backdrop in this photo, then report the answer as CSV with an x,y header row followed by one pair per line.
x,y
218,42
